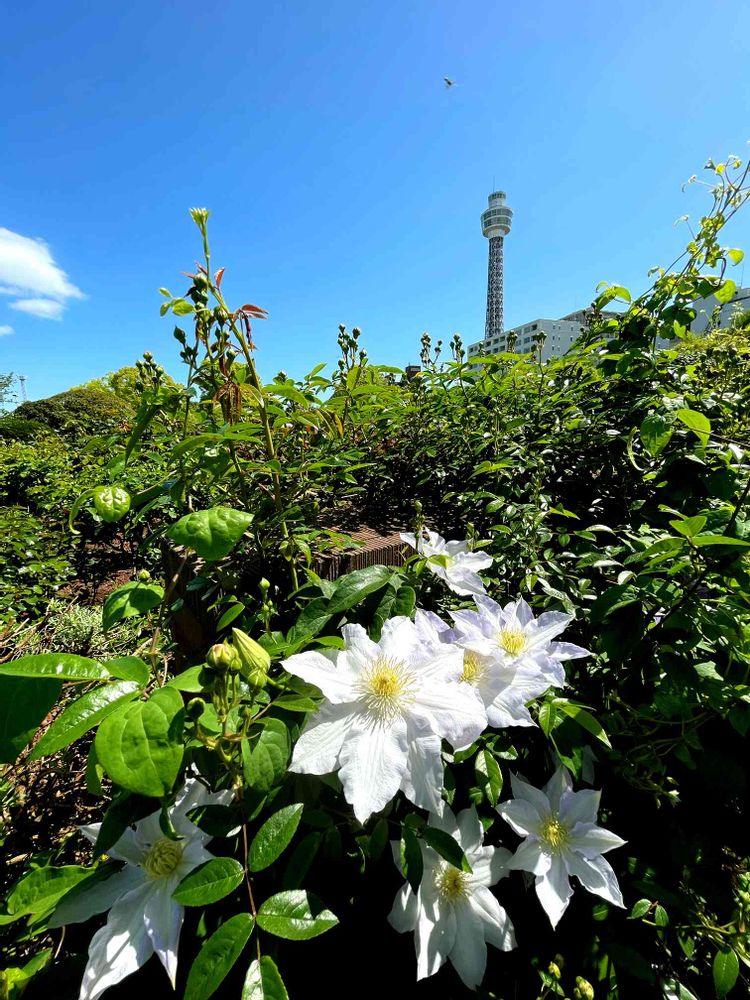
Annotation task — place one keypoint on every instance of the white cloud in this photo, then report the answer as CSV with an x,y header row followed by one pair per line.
x,y
5,330
42,308
29,274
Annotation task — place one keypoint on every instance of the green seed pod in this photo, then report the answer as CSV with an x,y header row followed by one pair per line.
x,y
253,658
111,502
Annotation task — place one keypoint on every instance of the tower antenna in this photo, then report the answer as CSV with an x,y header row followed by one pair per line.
x,y
496,223
22,380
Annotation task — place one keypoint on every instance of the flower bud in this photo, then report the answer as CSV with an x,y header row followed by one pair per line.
x,y
144,576
221,657
253,659
554,970
195,708
584,987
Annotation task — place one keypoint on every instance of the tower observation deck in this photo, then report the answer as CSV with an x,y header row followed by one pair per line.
x,y
496,223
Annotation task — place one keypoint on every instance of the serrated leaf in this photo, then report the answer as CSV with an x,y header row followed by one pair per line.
x,y
295,915
209,882
131,599
726,969
82,715
447,847
263,981
211,533
140,745
274,837
217,956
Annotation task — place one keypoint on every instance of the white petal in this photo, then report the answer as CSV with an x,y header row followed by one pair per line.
x,y
488,608
403,916
317,750
520,611
548,625
463,581
596,875
423,779
568,651
398,639
408,537
509,709
439,663
489,865
557,785
456,548
498,929
470,830
121,947
554,890
523,790
453,710
429,625
335,681
530,857
130,845
590,840
522,816
373,762
78,907
579,807
163,918
469,953
434,936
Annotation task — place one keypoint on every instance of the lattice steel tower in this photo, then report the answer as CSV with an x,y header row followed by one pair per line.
x,y
496,222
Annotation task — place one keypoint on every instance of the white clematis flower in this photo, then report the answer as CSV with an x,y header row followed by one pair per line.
x,y
562,839
511,657
451,561
388,706
143,918
454,915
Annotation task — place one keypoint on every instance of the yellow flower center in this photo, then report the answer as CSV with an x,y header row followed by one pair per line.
x,y
452,884
473,668
512,640
554,833
387,687
163,858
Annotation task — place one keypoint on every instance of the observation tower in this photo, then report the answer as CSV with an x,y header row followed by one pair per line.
x,y
496,223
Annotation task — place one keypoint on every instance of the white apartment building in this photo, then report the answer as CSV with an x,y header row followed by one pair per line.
x,y
710,312
560,336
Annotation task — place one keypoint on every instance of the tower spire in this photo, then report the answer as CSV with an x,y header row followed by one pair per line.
x,y
496,223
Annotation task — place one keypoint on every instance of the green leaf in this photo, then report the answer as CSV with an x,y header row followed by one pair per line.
x,y
447,847
640,909
56,666
726,969
547,716
378,839
295,915
263,981
726,291
354,587
211,533
274,837
129,668
585,720
489,776
696,422
735,255
190,680
265,764
131,599
661,917
41,889
709,539
209,882
83,714
296,703
656,430
300,860
140,745
412,862
217,956
24,703
689,526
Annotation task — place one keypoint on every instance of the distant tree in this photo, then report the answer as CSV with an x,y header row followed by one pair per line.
x,y
78,412
6,391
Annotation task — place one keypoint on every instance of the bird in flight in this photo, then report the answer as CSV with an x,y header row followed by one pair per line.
x,y
448,83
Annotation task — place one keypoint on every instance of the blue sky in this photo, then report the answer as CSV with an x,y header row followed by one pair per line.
x,y
345,180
